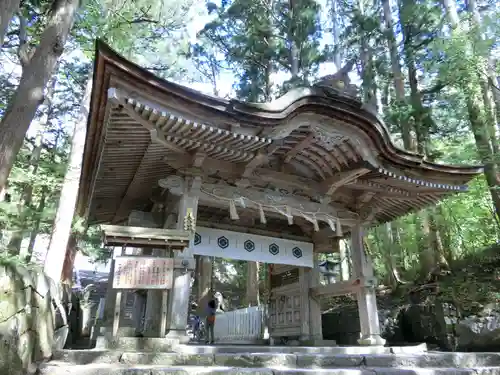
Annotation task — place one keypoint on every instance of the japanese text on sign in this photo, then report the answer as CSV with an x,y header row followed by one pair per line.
x,y
143,273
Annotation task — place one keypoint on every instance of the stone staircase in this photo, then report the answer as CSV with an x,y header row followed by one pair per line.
x,y
270,360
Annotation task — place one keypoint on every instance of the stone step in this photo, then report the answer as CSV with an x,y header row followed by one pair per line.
x,y
199,349
115,369
284,360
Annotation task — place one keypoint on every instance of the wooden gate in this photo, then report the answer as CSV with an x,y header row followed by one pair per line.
x,y
285,302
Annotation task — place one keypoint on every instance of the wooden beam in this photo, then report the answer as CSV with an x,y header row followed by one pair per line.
x,y
145,233
275,146
257,161
364,199
333,183
252,197
344,287
242,229
135,180
198,159
338,289
299,147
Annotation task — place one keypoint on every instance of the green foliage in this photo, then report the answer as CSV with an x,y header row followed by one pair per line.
x,y
475,281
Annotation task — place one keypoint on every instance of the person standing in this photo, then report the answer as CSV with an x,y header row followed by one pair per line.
x,y
211,312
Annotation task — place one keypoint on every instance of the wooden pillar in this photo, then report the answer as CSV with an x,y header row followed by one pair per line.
x,y
113,299
140,303
152,317
367,301
179,301
252,287
344,261
304,285
315,326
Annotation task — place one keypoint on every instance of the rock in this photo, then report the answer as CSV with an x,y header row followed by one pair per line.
x,y
389,325
27,319
479,332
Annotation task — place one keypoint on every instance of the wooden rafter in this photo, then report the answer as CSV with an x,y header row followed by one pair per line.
x,y
299,147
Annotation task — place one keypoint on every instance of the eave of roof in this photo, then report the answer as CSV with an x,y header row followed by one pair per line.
x,y
270,116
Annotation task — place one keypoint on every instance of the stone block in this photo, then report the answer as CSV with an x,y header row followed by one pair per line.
x,y
148,370
434,360
325,372
85,357
256,360
167,359
328,361
422,371
131,344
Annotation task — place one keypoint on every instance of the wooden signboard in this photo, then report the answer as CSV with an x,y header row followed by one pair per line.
x,y
143,273
285,278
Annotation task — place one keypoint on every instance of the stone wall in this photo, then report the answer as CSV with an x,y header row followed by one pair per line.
x,y
401,322
30,328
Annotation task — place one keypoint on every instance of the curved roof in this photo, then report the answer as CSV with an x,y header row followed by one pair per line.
x,y
315,142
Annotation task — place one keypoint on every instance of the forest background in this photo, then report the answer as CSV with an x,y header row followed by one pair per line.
x,y
431,69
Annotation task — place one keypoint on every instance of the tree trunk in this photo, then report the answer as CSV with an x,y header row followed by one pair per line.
x,y
16,239
494,82
426,252
367,74
294,49
27,196
37,72
66,209
399,84
36,226
69,261
437,240
252,289
478,117
337,56
7,10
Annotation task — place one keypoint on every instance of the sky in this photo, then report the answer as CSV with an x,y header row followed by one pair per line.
x,y
227,80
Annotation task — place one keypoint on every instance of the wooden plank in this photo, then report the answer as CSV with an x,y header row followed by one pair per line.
x,y
143,273
285,278
141,232
143,243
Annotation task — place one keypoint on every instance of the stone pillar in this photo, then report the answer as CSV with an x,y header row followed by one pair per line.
x,y
179,302
367,301
252,287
